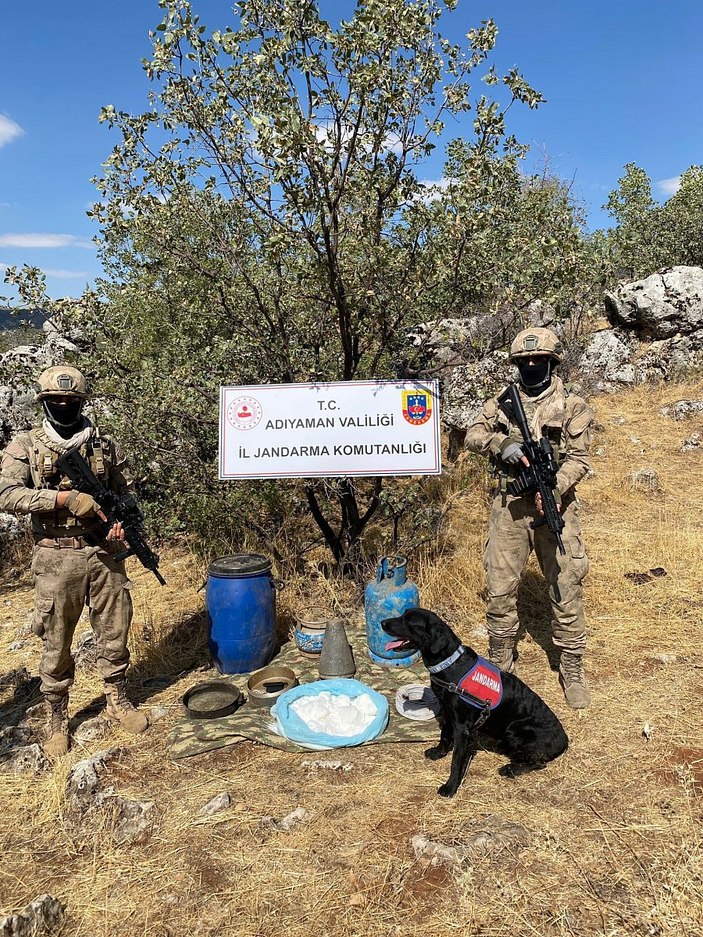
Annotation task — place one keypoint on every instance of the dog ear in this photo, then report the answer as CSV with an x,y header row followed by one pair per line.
x,y
417,621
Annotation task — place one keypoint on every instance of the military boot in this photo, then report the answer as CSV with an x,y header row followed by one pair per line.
x,y
121,710
573,680
56,732
501,652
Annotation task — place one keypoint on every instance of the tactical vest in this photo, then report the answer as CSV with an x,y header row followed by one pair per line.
x,y
98,452
554,414
482,685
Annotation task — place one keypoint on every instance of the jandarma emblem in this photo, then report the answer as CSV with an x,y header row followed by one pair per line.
x,y
244,412
417,407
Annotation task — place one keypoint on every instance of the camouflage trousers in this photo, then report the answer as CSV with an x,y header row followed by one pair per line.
x,y
510,541
65,580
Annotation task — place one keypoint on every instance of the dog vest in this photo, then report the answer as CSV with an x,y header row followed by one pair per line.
x,y
482,686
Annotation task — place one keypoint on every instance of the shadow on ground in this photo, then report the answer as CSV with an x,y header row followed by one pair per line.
x,y
535,614
25,694
160,664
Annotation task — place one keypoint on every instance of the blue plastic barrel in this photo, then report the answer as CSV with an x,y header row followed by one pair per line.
x,y
388,596
241,611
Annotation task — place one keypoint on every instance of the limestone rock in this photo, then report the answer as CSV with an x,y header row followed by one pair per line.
x,y
14,678
467,387
10,527
85,779
156,713
645,480
662,305
218,803
43,916
13,737
607,362
437,853
322,764
299,815
683,408
487,836
693,442
27,758
86,652
493,833
20,365
135,820
92,730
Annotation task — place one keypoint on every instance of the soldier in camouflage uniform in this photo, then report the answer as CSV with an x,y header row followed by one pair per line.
x,y
565,419
72,567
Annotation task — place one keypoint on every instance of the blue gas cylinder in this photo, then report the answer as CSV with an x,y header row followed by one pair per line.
x,y
240,599
388,596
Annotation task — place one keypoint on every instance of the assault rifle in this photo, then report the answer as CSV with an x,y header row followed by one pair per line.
x,y
541,474
116,507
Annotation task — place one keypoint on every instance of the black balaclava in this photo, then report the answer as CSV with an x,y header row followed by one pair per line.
x,y
535,377
64,414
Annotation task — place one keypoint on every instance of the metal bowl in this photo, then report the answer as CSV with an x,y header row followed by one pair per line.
x,y
266,685
212,700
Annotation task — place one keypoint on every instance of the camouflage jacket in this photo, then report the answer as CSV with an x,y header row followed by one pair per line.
x,y
565,419
29,480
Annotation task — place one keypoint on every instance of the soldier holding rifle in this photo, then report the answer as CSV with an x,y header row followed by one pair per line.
x,y
534,506
76,559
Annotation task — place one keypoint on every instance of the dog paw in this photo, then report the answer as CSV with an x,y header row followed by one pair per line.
x,y
434,753
446,790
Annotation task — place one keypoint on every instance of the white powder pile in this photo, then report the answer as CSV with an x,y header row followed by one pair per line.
x,y
336,715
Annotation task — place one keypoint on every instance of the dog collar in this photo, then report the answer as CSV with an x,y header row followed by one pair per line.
x,y
442,665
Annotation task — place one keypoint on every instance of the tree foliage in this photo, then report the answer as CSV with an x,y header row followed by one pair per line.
x,y
502,240
649,236
264,221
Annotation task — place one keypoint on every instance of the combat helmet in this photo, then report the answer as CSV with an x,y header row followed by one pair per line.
x,y
61,381
536,341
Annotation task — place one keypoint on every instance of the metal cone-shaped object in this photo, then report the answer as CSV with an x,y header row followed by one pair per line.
x,y
336,659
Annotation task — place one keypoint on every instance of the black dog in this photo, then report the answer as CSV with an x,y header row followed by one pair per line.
x,y
522,724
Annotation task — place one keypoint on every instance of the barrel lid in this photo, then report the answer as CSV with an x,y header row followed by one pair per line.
x,y
239,565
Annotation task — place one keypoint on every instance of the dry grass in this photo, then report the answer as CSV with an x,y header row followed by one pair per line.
x,y
614,826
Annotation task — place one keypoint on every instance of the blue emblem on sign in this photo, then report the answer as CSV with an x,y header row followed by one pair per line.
x,y
417,407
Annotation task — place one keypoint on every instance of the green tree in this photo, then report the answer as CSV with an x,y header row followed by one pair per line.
x,y
635,249
508,241
263,221
681,221
649,236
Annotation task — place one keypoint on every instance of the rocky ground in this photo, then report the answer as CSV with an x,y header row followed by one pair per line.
x,y
256,842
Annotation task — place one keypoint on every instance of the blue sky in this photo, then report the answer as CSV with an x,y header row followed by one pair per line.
x,y
623,82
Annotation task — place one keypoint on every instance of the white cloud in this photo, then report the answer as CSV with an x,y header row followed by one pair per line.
x,y
9,130
669,186
392,143
327,133
68,274
44,240
434,188
59,274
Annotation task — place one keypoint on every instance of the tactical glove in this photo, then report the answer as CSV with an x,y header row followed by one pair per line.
x,y
511,452
82,505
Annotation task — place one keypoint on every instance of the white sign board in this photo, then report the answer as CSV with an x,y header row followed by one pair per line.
x,y
322,430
